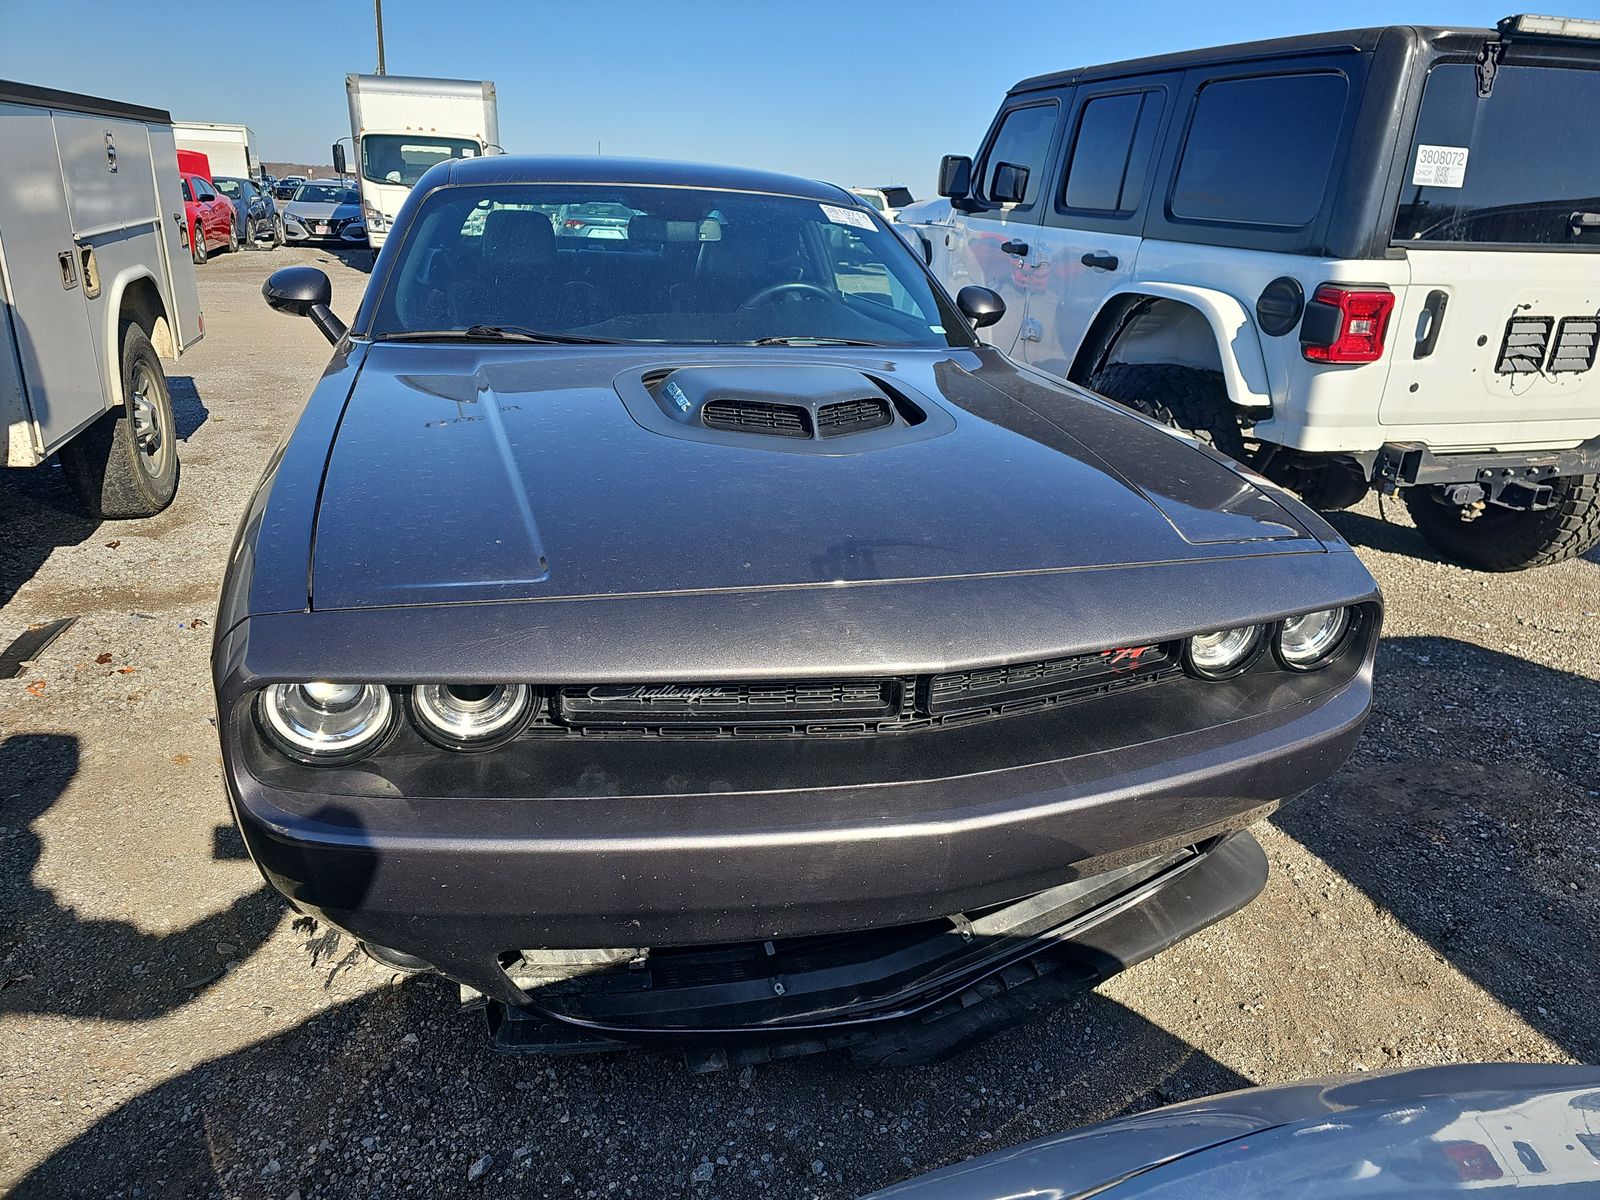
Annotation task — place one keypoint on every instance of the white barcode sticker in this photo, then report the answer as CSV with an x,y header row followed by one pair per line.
x,y
1440,166
846,216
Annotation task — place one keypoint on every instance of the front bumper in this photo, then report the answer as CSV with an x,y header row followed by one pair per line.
x,y
674,849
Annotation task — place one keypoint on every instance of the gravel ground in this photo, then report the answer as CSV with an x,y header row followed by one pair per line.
x,y
167,1029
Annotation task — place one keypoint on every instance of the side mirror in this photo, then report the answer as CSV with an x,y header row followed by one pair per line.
x,y
1010,184
338,157
980,305
304,292
955,176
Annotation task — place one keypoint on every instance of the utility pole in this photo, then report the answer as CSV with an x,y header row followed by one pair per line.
x,y
377,6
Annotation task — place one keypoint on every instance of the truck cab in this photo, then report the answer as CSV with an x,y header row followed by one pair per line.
x,y
400,126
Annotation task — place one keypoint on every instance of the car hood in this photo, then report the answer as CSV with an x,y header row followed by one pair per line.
x,y
1425,1134
307,210
464,473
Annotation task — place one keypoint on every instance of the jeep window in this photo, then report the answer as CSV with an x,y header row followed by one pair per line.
x,y
405,158
1259,151
676,265
1111,152
1531,169
1023,140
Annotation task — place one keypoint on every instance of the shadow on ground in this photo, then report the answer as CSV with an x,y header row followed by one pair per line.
x,y
1491,860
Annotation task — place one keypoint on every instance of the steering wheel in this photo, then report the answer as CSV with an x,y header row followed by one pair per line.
x,y
778,289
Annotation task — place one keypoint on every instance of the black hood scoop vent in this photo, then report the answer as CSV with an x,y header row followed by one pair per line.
x,y
796,407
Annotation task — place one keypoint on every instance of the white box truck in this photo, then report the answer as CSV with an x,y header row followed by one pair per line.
x,y
400,125
230,148
97,288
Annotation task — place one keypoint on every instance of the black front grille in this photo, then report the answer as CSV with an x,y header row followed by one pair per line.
x,y
728,704
754,416
1524,345
853,416
1574,348
846,708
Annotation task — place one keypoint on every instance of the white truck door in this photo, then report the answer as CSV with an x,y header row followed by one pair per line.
x,y
61,367
996,245
1093,214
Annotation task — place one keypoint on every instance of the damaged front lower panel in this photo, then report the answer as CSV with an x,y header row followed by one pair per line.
x,y
900,995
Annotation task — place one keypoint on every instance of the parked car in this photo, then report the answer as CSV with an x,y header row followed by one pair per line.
x,y
284,188
90,307
594,220
255,213
1351,260
324,211
1477,1129
209,216
776,662
888,200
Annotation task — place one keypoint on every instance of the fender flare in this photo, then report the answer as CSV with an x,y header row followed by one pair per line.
x,y
114,293
1244,366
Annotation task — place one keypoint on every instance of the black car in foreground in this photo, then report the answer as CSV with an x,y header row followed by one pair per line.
x,y
698,637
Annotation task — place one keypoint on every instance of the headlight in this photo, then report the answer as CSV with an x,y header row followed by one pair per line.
x,y
372,216
1223,653
463,716
1310,640
326,722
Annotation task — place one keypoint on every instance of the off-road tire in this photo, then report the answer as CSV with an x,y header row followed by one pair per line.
x,y
114,472
1186,398
1503,539
197,243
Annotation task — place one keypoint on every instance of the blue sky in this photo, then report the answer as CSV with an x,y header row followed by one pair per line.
x,y
860,93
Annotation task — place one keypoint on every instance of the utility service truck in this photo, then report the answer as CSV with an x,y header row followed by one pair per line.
x,y
400,125
97,288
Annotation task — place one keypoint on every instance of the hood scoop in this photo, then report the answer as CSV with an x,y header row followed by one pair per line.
x,y
797,407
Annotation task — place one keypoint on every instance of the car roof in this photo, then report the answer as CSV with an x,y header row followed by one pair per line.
x,y
1312,43
523,168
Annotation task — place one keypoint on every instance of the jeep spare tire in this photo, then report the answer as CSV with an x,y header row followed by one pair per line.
x,y
1186,398
1504,539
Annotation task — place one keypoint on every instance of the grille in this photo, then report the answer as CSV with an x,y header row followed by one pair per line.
x,y
853,416
1524,345
1574,349
729,704
965,690
753,416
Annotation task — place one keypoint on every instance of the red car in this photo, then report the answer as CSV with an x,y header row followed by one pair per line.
x,y
210,217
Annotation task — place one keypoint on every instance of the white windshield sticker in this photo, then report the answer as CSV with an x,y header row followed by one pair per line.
x,y
1440,166
846,216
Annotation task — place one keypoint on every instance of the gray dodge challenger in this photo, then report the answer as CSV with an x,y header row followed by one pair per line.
x,y
699,638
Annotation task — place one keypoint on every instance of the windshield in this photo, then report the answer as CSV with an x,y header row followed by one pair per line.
x,y
327,193
1521,167
658,264
406,157
228,187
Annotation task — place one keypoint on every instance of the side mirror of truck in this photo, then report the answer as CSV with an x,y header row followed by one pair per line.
x,y
980,305
304,292
955,176
338,158
1010,184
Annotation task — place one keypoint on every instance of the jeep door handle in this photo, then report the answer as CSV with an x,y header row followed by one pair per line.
x,y
1020,249
1100,261
1433,309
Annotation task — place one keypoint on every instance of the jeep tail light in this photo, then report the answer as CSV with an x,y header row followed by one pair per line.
x,y
1346,325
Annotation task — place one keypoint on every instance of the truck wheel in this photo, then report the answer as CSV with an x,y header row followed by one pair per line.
x,y
126,463
1502,539
1184,397
197,243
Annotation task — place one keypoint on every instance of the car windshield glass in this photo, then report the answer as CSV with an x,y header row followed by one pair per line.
x,y
658,264
228,187
1516,168
327,193
405,158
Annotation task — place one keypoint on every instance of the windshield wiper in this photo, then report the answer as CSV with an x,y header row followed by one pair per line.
x,y
497,333
805,339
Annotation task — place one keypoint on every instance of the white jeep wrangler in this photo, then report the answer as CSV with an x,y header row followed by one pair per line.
x,y
1351,260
